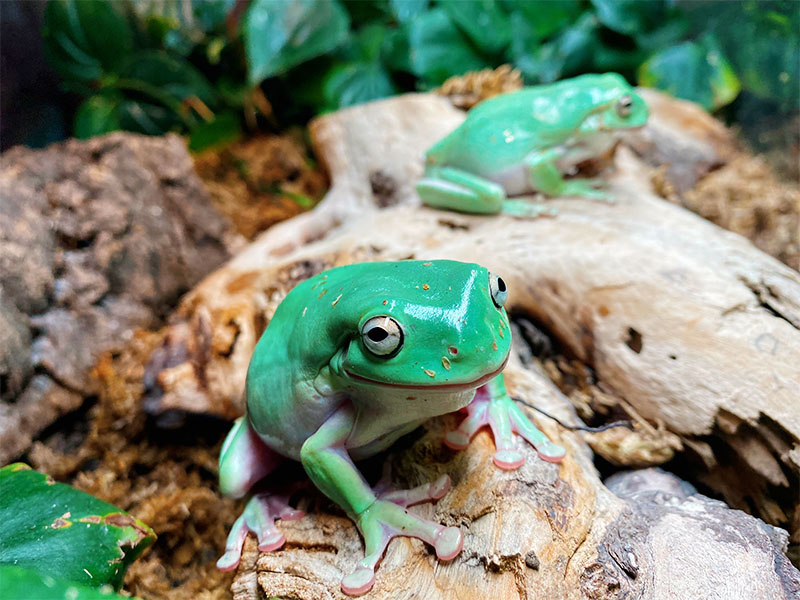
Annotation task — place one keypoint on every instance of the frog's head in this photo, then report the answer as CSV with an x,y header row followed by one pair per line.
x,y
612,104
434,325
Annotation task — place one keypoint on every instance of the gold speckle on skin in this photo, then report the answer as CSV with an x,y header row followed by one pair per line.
x,y
428,264
385,302
445,363
494,346
335,301
425,286
500,331
430,373
322,293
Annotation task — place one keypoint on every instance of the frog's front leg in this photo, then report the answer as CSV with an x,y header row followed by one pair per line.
x,y
546,178
379,518
493,406
243,461
454,189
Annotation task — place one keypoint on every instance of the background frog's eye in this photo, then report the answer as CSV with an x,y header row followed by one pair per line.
x,y
625,106
497,290
382,336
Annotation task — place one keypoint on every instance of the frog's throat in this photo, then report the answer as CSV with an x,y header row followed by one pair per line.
x,y
442,387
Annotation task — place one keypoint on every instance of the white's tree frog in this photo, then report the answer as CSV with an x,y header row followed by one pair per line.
x,y
524,141
354,358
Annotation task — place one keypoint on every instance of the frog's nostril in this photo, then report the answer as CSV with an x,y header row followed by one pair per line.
x,y
453,350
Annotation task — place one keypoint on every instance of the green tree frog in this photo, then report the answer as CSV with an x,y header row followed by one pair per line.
x,y
523,141
354,358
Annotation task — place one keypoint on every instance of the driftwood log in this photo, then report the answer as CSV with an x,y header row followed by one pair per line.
x,y
689,324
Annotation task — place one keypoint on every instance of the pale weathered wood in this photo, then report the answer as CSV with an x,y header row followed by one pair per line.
x,y
688,323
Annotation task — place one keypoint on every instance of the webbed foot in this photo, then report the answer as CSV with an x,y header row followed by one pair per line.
x,y
506,420
259,517
387,518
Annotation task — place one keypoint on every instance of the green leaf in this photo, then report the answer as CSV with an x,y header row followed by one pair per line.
x,y
695,71
23,583
439,50
482,21
569,53
351,84
56,530
280,34
85,38
762,42
96,116
546,17
171,77
225,129
395,51
630,16
406,10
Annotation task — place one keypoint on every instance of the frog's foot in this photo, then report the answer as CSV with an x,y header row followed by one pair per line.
x,y
587,188
528,209
386,519
259,517
505,419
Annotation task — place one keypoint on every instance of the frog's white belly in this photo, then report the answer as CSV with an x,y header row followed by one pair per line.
x,y
385,414
516,180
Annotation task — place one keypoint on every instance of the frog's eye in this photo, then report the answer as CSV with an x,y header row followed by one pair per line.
x,y
382,336
625,106
497,290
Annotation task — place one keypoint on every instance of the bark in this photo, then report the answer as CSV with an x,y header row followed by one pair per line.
x,y
689,324
97,238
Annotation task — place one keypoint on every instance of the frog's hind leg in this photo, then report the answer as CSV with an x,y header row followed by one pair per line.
x,y
454,189
244,460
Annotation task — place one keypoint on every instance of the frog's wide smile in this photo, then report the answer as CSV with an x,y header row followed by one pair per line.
x,y
476,383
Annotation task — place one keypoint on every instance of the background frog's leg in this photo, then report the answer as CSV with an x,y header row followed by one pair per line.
x,y
493,406
330,467
454,189
546,178
243,461
526,208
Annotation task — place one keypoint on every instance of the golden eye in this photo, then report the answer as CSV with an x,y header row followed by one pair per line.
x,y
497,290
625,106
382,336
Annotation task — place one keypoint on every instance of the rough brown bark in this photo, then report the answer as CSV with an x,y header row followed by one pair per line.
x,y
689,324
97,238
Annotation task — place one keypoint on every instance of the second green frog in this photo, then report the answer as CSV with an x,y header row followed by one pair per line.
x,y
525,141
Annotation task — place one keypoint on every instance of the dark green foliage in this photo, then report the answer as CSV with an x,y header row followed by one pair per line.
x,y
158,68
23,583
55,530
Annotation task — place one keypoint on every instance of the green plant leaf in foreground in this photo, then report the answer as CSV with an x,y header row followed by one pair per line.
x,y
695,71
279,34
21,583
61,532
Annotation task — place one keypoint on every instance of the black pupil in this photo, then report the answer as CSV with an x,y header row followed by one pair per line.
x,y
501,285
377,334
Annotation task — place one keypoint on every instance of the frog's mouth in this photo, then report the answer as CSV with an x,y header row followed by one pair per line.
x,y
454,387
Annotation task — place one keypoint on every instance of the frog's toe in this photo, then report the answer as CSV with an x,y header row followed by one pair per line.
x,y
270,540
448,543
509,459
550,452
229,561
439,488
456,440
359,582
